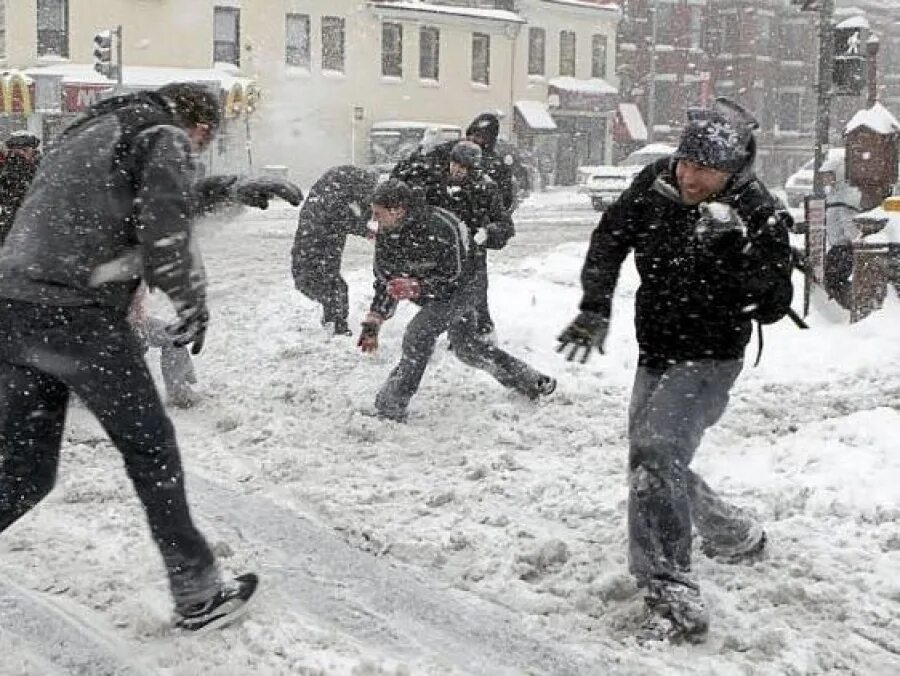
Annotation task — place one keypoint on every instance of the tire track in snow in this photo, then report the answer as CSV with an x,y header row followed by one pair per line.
x,y
383,603
58,639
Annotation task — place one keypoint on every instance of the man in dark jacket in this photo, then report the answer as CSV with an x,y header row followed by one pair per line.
x,y
711,248
112,204
16,173
458,176
424,254
337,206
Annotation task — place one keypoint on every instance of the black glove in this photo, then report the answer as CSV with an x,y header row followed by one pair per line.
x,y
587,331
190,329
256,191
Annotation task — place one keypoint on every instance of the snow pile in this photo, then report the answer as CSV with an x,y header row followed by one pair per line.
x,y
877,118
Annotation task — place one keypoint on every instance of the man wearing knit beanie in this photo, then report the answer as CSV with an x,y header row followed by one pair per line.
x,y
711,248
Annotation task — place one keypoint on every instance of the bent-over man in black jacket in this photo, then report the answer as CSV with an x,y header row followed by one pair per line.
x,y
424,254
711,248
336,206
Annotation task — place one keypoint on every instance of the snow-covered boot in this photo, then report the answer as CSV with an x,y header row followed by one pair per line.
x,y
748,550
226,605
544,386
677,612
341,328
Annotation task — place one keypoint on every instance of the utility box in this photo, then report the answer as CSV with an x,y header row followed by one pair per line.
x,y
872,140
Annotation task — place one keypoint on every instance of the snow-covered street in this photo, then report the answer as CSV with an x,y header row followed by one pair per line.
x,y
486,535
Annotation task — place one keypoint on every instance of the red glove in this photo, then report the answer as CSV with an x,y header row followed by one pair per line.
x,y
404,288
368,337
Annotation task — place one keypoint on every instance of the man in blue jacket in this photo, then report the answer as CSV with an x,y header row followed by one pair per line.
x,y
711,248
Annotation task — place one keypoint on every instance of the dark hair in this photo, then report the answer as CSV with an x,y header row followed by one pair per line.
x,y
394,193
193,103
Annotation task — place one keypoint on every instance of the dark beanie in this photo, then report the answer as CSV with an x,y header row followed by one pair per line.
x,y
393,193
467,154
193,103
718,137
487,125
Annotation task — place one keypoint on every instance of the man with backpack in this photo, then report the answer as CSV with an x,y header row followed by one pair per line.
x,y
711,248
112,204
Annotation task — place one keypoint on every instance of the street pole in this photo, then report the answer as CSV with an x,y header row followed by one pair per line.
x,y
823,103
119,68
651,87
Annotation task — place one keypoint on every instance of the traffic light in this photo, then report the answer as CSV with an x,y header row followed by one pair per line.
x,y
850,67
103,54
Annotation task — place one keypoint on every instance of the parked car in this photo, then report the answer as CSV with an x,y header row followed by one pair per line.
x,y
604,183
395,140
800,183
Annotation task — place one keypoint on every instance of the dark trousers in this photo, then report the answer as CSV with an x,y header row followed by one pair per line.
x,y
456,316
48,352
316,268
483,321
670,410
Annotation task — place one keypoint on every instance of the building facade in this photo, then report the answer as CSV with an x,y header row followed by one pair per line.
x,y
763,53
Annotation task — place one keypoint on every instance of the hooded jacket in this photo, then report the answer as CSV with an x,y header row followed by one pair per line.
x,y
697,297
111,203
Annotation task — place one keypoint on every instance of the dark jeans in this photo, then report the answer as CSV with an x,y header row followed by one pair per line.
x,y
455,315
483,321
316,268
670,410
48,352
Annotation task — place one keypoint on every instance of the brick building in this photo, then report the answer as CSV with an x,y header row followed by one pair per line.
x,y
760,52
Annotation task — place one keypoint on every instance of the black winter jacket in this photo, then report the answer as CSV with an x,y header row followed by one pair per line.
x,y
338,202
433,246
696,300
476,201
16,175
111,203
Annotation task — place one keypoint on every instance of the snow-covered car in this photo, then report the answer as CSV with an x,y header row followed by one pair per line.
x,y
604,183
800,183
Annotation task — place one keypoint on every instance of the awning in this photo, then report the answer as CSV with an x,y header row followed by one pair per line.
x,y
630,124
535,115
588,95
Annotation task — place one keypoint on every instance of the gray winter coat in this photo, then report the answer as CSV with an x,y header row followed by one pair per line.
x,y
97,220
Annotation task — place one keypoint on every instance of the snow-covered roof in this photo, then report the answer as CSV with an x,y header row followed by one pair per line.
x,y
594,85
605,7
877,118
536,115
855,22
141,76
473,12
631,116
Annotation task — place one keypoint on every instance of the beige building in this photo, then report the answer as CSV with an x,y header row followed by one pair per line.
x,y
342,80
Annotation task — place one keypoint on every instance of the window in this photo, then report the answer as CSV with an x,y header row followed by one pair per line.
x,y
2,29
226,35
392,50
567,53
333,43
666,110
429,53
481,58
53,27
598,56
695,28
667,30
792,41
789,111
296,40
537,49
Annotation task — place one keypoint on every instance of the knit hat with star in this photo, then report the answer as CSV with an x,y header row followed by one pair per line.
x,y
718,137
